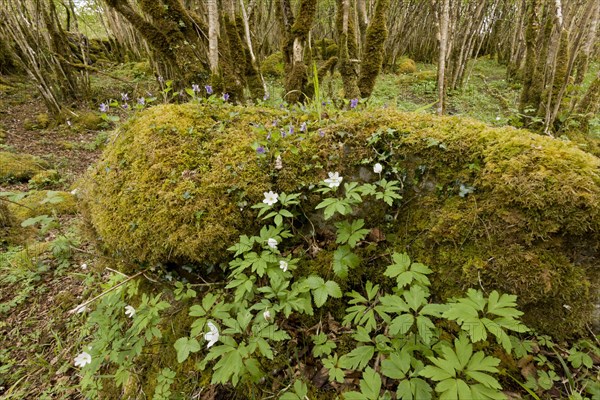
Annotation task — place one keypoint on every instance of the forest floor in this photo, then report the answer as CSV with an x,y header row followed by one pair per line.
x,y
40,282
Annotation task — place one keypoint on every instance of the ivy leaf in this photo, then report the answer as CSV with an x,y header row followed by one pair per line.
x,y
184,347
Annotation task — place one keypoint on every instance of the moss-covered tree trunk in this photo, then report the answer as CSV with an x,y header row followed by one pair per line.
x,y
348,50
296,32
372,58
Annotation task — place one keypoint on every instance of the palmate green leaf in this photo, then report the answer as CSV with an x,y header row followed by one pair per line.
x,y
228,368
184,347
344,260
414,389
351,233
357,358
370,386
481,392
335,372
396,366
503,306
454,389
322,345
401,324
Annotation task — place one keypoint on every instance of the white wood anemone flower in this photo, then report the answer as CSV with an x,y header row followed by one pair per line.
x,y
267,315
334,179
377,168
129,311
283,265
83,359
213,336
272,243
270,198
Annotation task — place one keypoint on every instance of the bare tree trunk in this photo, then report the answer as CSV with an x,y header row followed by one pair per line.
x,y
213,36
443,21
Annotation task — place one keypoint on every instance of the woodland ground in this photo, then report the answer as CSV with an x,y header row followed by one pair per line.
x,y
38,339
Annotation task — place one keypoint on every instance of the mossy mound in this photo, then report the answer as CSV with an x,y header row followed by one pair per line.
x,y
272,66
19,167
45,179
405,66
484,207
89,120
43,202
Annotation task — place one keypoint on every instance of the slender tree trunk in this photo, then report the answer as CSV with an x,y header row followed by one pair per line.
x,y
443,21
213,36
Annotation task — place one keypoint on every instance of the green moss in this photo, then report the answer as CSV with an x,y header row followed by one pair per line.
x,y
272,66
45,179
174,185
34,204
89,120
19,167
405,66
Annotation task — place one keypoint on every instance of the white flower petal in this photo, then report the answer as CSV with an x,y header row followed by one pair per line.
x,y
272,243
83,359
213,336
377,168
267,315
129,311
283,265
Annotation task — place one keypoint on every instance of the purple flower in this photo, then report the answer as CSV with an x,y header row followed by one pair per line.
x,y
196,88
208,89
266,97
141,101
125,106
269,136
225,96
104,107
291,131
275,122
124,97
283,133
303,127
353,103
321,133
260,150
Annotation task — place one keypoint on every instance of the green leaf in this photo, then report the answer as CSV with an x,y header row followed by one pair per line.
x,y
184,347
401,324
357,358
333,289
343,260
370,385
396,366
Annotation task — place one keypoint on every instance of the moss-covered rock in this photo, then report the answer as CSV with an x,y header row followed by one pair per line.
x,y
89,120
45,179
43,202
272,66
19,167
405,66
484,207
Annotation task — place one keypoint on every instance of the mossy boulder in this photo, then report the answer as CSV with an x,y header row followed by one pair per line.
x,y
19,167
43,202
45,179
89,120
492,208
405,66
272,66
